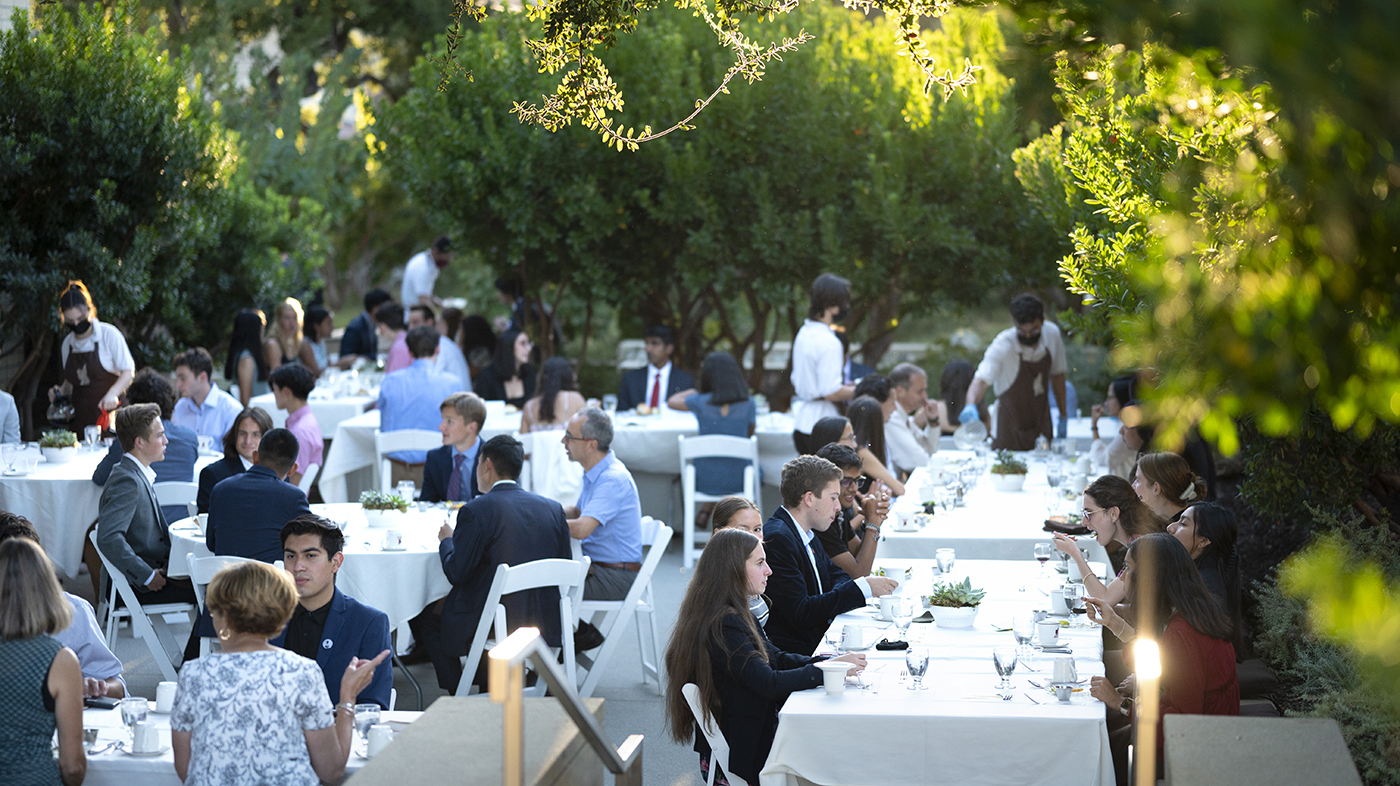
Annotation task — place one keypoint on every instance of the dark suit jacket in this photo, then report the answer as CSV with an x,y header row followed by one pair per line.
x,y
505,526
131,530
437,473
210,476
177,467
360,338
353,630
801,604
751,692
247,513
633,390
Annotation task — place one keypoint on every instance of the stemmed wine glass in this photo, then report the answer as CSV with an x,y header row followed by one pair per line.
x,y
1054,473
916,658
1043,552
7,455
902,614
1004,658
92,434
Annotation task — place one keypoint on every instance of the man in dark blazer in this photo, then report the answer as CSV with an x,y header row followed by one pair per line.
x,y
506,525
131,530
449,473
329,626
181,448
659,376
361,336
247,511
806,591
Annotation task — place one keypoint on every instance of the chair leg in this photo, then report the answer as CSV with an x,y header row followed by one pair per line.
x,y
411,680
143,626
610,644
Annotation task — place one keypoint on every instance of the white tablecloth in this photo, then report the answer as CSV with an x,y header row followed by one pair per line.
x,y
329,412
61,501
993,524
958,731
398,583
115,768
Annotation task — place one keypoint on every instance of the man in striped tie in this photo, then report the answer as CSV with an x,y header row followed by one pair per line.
x,y
449,473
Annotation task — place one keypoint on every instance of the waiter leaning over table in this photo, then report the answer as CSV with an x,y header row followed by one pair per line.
x,y
97,365
1021,365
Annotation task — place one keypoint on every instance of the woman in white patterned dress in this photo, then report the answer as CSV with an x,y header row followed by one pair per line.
x,y
254,713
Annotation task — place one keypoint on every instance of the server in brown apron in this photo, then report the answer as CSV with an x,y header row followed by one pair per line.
x,y
1023,405
85,380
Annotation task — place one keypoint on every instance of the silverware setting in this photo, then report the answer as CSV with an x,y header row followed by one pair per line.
x,y
1032,698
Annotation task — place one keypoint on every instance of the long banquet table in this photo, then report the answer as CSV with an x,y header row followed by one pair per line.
x,y
958,731
398,583
117,768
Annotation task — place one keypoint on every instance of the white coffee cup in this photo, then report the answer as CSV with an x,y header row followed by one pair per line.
x,y
393,538
165,696
887,603
852,637
379,737
1064,670
1048,633
1083,466
1058,604
834,675
145,737
202,521
1078,482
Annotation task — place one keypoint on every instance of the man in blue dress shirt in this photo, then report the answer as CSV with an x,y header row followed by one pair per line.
x,y
449,474
608,516
411,398
203,406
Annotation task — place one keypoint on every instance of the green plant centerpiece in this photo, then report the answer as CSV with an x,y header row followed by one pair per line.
x,y
1008,464
381,509
58,438
954,604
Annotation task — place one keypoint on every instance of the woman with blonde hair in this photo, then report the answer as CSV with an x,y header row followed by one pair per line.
x,y
255,713
1166,483
283,344
43,685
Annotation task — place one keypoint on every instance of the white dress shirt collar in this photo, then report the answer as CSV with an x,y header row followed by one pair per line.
x,y
145,470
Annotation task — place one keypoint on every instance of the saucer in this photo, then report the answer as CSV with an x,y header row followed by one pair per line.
x,y
396,548
148,754
16,473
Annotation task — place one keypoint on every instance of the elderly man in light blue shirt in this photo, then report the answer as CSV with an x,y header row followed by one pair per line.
x,y
203,407
608,516
412,396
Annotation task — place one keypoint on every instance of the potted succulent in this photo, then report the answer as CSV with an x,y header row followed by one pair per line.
x,y
59,446
383,510
955,605
1009,472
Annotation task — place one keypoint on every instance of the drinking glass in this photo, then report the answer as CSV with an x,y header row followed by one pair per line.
x,y
902,614
1043,552
134,710
1054,473
1080,593
366,715
7,455
916,658
405,489
1023,628
91,434
945,559
1052,502
946,500
1004,658
610,404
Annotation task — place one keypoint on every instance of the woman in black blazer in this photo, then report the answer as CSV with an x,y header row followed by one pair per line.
x,y
718,645
240,451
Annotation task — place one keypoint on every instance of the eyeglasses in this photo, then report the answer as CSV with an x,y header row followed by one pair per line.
x,y
849,482
571,438
1087,514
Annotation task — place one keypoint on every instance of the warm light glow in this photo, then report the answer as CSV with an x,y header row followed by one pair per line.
x,y
1147,661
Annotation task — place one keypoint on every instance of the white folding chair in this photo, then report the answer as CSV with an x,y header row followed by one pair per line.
x,y
552,474
719,746
147,622
526,480
308,479
617,613
202,570
567,575
176,493
403,439
712,446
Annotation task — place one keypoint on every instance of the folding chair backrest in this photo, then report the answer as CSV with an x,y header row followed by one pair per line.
x,y
625,608
712,446
719,746
552,474
176,493
308,477
402,439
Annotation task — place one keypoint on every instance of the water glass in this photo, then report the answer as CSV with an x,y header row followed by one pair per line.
x,y
7,455
1023,629
1004,658
366,715
945,559
610,404
902,614
91,434
916,658
1054,473
405,489
1043,552
134,710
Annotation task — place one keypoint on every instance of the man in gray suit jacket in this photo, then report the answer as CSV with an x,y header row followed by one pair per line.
x,y
131,530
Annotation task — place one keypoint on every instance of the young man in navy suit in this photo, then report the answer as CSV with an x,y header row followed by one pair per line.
x,y
329,626
449,472
659,379
506,525
807,591
247,511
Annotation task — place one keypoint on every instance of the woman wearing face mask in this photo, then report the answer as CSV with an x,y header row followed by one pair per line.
x,y
1166,483
97,365
1116,515
1116,453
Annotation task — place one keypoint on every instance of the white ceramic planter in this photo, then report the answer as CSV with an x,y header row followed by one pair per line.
x,y
947,617
59,455
1008,482
383,519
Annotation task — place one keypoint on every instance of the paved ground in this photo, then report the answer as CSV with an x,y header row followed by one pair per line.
x,y
631,707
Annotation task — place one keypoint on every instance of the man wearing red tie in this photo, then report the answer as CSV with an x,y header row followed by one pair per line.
x,y
659,379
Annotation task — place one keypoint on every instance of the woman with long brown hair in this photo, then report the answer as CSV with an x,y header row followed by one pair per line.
x,y
718,645
1116,515
868,425
1166,483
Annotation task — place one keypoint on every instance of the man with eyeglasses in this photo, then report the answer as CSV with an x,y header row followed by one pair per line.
x,y
1021,365
851,540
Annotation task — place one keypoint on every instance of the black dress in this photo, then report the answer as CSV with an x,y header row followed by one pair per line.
x,y
490,388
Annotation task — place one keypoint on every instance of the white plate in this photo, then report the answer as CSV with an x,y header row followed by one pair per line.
x,y
151,754
400,548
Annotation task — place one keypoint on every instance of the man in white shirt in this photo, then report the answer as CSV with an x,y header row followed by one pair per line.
x,y
659,380
9,418
203,407
421,272
450,359
817,360
1021,365
912,432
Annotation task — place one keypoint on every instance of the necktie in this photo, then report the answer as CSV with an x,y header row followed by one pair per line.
x,y
454,485
656,391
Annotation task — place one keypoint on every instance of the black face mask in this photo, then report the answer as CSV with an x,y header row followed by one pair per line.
x,y
841,314
1030,340
80,328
